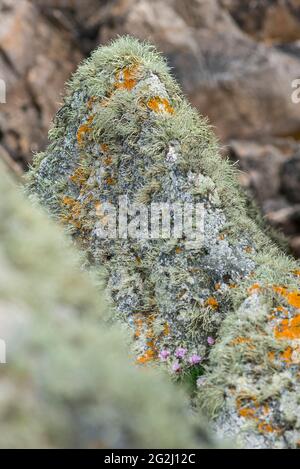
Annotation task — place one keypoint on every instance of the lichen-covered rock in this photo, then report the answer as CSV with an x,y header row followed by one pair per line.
x,y
67,381
126,130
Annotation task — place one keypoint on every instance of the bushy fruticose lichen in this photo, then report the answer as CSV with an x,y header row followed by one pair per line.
x,y
222,312
67,381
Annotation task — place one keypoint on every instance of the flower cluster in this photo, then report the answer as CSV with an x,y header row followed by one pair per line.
x,y
180,359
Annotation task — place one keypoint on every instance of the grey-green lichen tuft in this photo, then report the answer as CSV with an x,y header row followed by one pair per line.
x,y
68,381
126,129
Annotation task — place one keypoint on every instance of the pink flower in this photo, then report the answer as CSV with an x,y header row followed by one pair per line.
x,y
164,355
176,367
210,340
195,359
180,352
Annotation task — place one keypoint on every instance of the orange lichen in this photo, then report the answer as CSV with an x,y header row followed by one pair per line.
x,y
292,297
212,302
79,176
280,290
296,273
178,250
166,330
287,355
271,356
265,427
247,406
83,130
148,356
74,213
254,288
107,161
248,249
104,147
241,340
110,181
126,78
290,356
160,105
217,286
288,329
138,322
144,330
91,101
279,311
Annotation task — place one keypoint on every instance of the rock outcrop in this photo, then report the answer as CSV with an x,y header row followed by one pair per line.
x,y
222,312
67,381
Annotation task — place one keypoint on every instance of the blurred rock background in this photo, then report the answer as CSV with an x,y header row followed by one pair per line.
x,y
235,60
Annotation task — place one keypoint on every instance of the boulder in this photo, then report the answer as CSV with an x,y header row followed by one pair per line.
x,y
219,310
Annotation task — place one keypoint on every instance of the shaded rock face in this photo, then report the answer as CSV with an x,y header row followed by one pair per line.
x,y
271,172
231,302
291,179
67,381
267,20
36,58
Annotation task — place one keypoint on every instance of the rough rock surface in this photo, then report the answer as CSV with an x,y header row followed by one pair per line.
x,y
68,382
270,172
36,58
125,129
274,21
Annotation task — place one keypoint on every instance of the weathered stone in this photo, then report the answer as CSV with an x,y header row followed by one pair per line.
x,y
125,129
268,20
35,62
271,175
290,179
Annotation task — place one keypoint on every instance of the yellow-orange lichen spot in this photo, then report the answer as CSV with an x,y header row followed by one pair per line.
x,y
255,288
160,105
292,297
212,302
107,161
83,130
166,330
148,356
91,102
241,340
288,329
110,181
265,427
126,78
79,176
74,214
104,147
249,408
